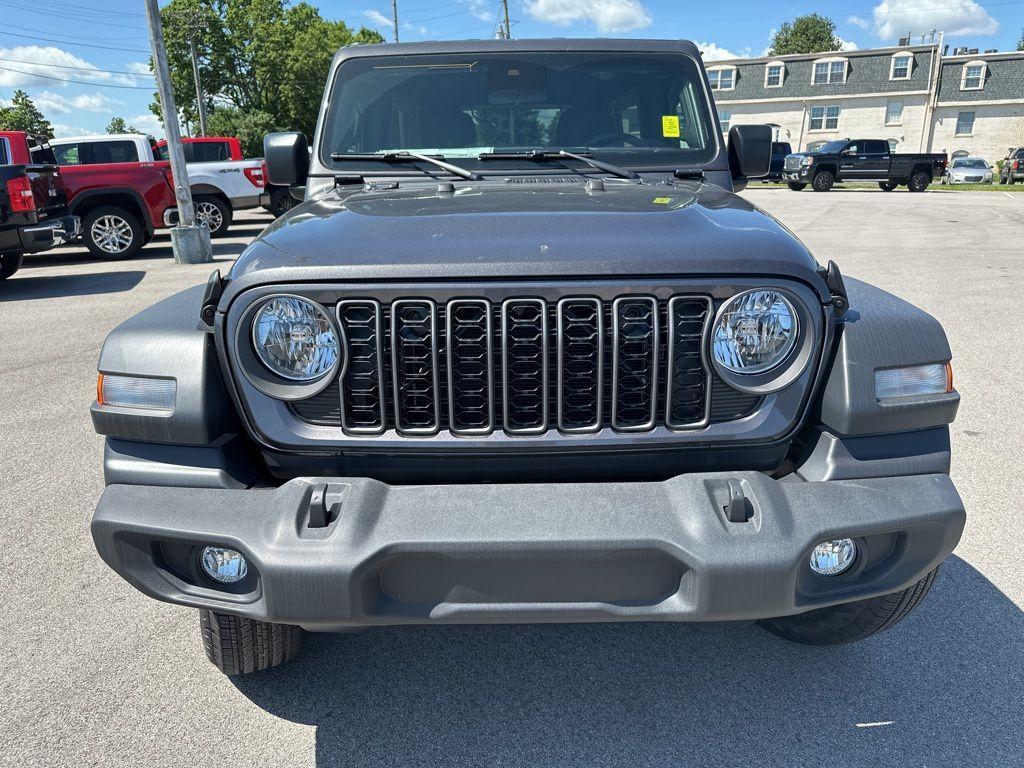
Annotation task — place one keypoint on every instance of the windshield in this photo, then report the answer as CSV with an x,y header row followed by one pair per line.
x,y
969,162
832,147
631,109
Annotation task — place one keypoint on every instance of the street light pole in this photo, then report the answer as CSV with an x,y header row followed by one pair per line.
x,y
394,17
190,241
508,25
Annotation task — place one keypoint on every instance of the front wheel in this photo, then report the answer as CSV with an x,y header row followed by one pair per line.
x,y
9,264
850,622
823,181
215,212
919,181
887,186
796,186
239,646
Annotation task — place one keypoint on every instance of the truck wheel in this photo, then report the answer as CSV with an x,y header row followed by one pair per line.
x,y
796,186
850,622
823,181
9,264
281,201
919,181
887,186
238,646
112,233
215,212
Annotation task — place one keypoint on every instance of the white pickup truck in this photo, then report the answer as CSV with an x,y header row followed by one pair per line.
x,y
219,186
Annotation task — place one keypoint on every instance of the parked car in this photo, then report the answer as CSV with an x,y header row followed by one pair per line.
x,y
219,187
780,151
862,160
1012,169
559,372
121,204
968,170
33,207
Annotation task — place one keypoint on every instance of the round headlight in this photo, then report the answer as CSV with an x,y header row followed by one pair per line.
x,y
754,332
295,338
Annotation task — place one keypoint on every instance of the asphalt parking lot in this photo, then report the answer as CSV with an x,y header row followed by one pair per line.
x,y
93,673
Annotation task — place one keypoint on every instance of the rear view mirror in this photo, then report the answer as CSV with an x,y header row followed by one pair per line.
x,y
287,156
750,151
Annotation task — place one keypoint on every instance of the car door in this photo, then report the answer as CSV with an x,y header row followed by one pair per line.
x,y
877,156
851,160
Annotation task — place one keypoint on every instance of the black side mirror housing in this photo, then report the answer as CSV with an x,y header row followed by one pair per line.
x,y
287,156
750,151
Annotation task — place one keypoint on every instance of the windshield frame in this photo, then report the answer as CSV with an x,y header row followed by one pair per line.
x,y
715,150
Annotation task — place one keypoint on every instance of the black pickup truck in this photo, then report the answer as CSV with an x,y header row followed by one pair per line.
x,y
33,205
861,160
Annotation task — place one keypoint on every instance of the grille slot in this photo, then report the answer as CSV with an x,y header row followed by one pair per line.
x,y
525,366
580,374
414,366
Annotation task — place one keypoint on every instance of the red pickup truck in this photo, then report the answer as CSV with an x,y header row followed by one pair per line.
x,y
33,205
121,204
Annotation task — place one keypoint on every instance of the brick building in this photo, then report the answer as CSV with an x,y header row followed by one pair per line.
x,y
919,97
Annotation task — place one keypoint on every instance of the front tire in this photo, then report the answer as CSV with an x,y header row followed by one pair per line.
x,y
796,186
215,212
887,186
850,622
823,181
919,181
240,646
112,233
9,264
281,201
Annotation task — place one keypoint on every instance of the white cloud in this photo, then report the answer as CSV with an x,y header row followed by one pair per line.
x,y
479,9
713,52
857,21
61,130
606,15
57,103
148,122
138,67
894,18
38,65
847,45
377,19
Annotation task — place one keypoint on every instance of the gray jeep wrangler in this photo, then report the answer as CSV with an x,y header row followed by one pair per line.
x,y
522,355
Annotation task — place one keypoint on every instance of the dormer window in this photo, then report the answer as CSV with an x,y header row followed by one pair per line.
x,y
901,65
774,74
973,76
829,71
722,78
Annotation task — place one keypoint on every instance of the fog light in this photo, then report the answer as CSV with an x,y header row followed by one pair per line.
x,y
224,565
830,558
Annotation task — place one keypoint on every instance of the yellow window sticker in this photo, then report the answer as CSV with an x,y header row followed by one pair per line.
x,y
670,126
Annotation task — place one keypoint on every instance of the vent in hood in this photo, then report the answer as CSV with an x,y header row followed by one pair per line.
x,y
545,180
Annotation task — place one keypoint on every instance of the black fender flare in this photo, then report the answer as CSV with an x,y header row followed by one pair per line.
x,y
90,195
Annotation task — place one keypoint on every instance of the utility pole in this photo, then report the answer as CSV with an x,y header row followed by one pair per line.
x,y
200,106
394,17
190,241
508,26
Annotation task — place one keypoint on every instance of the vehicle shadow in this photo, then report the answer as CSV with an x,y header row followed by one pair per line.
x,y
941,689
24,287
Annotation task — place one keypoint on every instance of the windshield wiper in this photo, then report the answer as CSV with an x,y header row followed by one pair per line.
x,y
555,154
408,157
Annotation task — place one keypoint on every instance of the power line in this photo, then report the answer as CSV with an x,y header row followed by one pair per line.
x,y
79,82
79,45
84,69
72,16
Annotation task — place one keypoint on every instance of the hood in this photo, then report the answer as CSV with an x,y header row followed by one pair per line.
x,y
524,227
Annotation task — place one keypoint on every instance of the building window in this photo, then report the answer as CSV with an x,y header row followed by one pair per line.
x,y
973,77
965,123
824,118
774,73
894,113
829,71
722,78
724,116
901,66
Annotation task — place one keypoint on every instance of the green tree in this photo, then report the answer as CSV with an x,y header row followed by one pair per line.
x,y
1020,43
21,114
261,62
120,125
806,34
249,127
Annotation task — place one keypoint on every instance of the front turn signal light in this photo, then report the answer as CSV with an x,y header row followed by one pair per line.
x,y
142,392
913,381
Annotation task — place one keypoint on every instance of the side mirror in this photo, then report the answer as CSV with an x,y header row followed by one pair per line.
x,y
750,151
287,156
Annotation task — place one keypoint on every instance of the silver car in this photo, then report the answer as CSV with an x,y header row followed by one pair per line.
x,y
968,170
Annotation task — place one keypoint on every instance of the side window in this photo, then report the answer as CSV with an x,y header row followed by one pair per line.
x,y
854,148
162,153
207,152
876,147
112,152
5,156
67,154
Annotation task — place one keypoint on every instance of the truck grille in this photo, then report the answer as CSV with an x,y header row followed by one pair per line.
x,y
792,163
523,366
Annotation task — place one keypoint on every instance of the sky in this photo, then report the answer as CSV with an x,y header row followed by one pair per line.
x,y
84,61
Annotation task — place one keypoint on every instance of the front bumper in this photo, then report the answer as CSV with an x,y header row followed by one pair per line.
x,y
529,553
804,174
49,234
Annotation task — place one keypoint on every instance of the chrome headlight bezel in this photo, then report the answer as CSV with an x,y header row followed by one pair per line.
x,y
274,383
790,364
